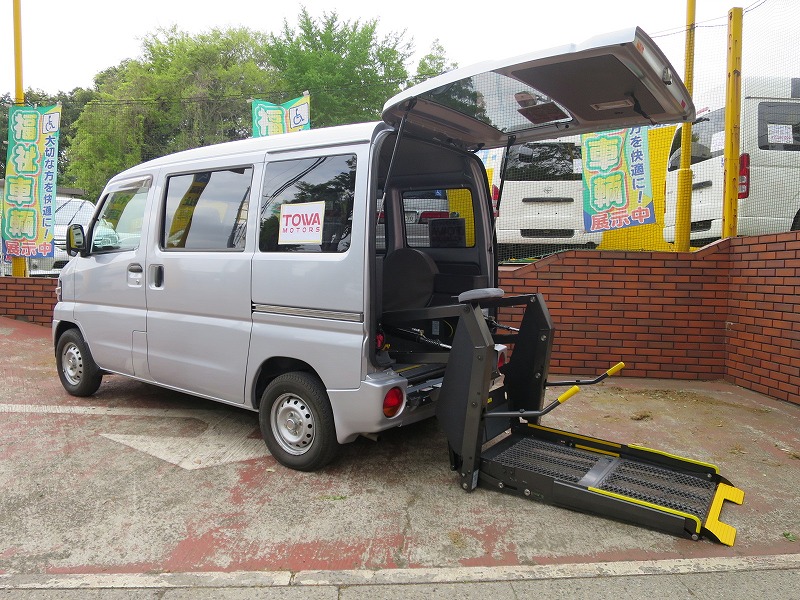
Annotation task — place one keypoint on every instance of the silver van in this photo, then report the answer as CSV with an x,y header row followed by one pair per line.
x,y
281,274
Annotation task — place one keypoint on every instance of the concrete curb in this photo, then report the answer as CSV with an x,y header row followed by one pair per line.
x,y
250,579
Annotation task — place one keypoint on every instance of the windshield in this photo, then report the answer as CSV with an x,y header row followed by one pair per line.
x,y
708,139
73,211
552,161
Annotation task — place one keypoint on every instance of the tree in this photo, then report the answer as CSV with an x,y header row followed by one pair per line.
x,y
347,69
434,63
184,92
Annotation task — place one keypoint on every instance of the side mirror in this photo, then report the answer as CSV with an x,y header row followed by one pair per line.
x,y
76,240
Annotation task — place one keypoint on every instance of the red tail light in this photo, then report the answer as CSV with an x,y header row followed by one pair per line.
x,y
495,198
393,402
427,215
380,217
744,176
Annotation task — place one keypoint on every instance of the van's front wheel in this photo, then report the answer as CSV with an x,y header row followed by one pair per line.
x,y
78,372
296,422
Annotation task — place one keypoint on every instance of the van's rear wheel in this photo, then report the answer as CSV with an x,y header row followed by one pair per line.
x,y
296,422
78,372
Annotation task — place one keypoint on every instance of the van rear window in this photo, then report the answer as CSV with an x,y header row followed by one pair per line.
x,y
779,126
307,204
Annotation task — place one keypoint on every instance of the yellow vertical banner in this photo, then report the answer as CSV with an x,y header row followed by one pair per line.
x,y
30,189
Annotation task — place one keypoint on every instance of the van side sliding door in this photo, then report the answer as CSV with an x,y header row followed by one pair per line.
x,y
198,274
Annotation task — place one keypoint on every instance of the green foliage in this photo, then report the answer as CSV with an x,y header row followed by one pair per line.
x,y
188,91
348,71
183,93
434,63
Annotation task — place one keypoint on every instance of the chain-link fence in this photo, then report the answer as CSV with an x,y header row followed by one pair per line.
x,y
547,204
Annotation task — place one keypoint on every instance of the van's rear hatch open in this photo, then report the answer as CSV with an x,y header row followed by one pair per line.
x,y
611,81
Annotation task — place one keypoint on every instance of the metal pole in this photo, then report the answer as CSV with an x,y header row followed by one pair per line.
x,y
683,208
19,265
733,110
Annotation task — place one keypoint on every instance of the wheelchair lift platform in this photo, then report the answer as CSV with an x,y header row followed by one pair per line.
x,y
496,439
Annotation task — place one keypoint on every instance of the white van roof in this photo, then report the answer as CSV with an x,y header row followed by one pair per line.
x,y
611,81
317,138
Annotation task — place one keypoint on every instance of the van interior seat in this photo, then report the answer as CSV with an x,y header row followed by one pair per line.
x,y
409,276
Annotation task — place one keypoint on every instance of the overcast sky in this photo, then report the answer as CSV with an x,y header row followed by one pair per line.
x,y
65,43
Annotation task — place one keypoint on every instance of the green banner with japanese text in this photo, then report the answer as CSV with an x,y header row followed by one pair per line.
x,y
29,194
617,187
272,119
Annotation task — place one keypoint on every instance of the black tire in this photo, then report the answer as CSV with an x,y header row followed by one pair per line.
x,y
78,372
296,422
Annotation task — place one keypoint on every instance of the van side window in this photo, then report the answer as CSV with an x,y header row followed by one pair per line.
x,y
307,204
119,225
779,126
207,210
441,218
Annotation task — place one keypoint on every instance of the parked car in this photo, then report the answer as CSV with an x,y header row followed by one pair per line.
x,y
419,209
769,164
68,210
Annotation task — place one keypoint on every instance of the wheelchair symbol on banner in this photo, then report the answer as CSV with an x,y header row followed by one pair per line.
x,y
298,116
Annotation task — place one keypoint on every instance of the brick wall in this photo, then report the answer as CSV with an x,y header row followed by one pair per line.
x,y
729,311
763,329
28,298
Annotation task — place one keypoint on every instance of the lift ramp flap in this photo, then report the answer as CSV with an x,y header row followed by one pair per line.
x,y
519,456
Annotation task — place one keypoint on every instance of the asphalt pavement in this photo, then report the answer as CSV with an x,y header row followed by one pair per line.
x,y
138,492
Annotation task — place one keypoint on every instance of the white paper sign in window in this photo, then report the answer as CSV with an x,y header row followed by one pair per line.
x,y
717,141
301,223
778,133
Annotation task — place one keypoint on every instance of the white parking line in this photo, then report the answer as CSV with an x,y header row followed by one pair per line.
x,y
225,440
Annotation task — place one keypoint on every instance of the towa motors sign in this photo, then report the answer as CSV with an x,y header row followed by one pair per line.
x,y
301,223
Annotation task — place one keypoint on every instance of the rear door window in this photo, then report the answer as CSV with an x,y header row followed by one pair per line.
x,y
439,218
779,126
207,210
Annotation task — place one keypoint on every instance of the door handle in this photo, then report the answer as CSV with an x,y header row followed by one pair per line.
x,y
157,275
135,272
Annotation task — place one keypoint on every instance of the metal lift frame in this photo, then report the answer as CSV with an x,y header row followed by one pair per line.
x,y
496,440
